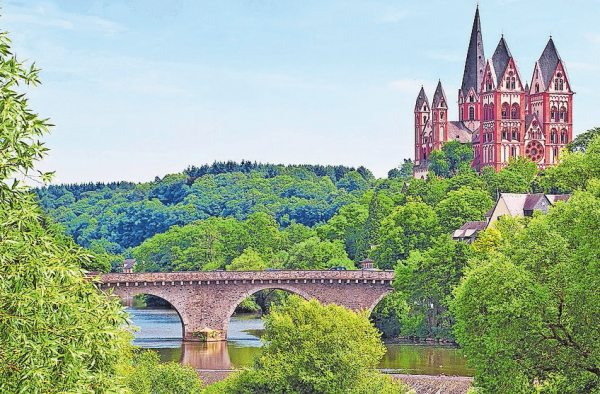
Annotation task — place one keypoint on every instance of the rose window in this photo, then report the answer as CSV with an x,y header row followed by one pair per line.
x,y
535,151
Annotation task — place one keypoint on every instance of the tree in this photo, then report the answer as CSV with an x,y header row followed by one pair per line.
x,y
147,375
457,154
314,348
247,261
582,141
408,227
527,310
316,254
58,333
461,206
576,169
425,282
403,172
438,163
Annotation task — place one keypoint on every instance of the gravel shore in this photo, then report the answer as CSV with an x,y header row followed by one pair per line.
x,y
422,384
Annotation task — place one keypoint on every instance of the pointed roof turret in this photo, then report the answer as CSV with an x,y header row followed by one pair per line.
x,y
500,60
475,62
439,97
548,62
422,104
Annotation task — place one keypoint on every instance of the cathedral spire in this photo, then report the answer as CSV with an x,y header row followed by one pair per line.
x,y
475,62
422,104
439,97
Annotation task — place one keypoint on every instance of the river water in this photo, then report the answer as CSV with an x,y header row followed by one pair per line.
x,y
160,329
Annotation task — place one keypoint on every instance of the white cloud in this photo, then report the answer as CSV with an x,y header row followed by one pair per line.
x,y
54,18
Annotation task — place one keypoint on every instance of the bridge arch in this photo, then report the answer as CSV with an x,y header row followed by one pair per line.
x,y
205,301
130,292
242,296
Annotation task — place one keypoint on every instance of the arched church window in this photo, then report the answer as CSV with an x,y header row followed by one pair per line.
x,y
560,84
563,136
505,110
491,115
471,113
471,99
553,114
515,113
537,87
512,82
553,136
556,84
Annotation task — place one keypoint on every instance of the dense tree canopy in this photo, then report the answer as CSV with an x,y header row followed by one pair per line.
x,y
314,348
527,308
57,332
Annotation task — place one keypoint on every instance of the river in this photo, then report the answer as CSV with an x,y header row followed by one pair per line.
x,y
160,329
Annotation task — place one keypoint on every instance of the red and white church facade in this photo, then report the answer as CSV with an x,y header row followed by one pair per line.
x,y
500,115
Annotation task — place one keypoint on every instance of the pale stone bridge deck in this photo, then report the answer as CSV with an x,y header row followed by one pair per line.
x,y
206,300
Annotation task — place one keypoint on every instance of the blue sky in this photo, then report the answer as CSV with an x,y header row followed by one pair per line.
x,y
144,88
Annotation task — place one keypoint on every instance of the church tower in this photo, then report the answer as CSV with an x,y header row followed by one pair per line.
x,y
469,109
423,138
503,109
439,117
551,102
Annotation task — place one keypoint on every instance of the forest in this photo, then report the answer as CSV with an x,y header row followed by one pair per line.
x,y
249,216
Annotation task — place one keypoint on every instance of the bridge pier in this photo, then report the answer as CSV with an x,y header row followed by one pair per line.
x,y
205,301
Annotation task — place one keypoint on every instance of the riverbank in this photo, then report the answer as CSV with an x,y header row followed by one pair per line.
x,y
422,384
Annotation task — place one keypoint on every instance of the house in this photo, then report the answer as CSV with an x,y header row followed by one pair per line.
x,y
469,231
511,204
128,265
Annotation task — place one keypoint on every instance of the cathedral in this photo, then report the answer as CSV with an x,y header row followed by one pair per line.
x,y
498,114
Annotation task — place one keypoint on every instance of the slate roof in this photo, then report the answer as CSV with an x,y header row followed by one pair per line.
x,y
530,118
532,200
421,99
475,62
500,60
457,131
128,263
469,229
548,62
558,197
439,97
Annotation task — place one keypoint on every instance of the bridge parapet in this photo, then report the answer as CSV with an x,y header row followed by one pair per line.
x,y
206,300
205,276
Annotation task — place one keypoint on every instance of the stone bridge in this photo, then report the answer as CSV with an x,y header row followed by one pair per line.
x,y
206,300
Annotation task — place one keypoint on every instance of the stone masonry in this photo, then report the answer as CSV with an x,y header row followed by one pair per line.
x,y
206,300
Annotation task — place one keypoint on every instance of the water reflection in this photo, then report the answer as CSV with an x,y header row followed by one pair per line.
x,y
160,329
